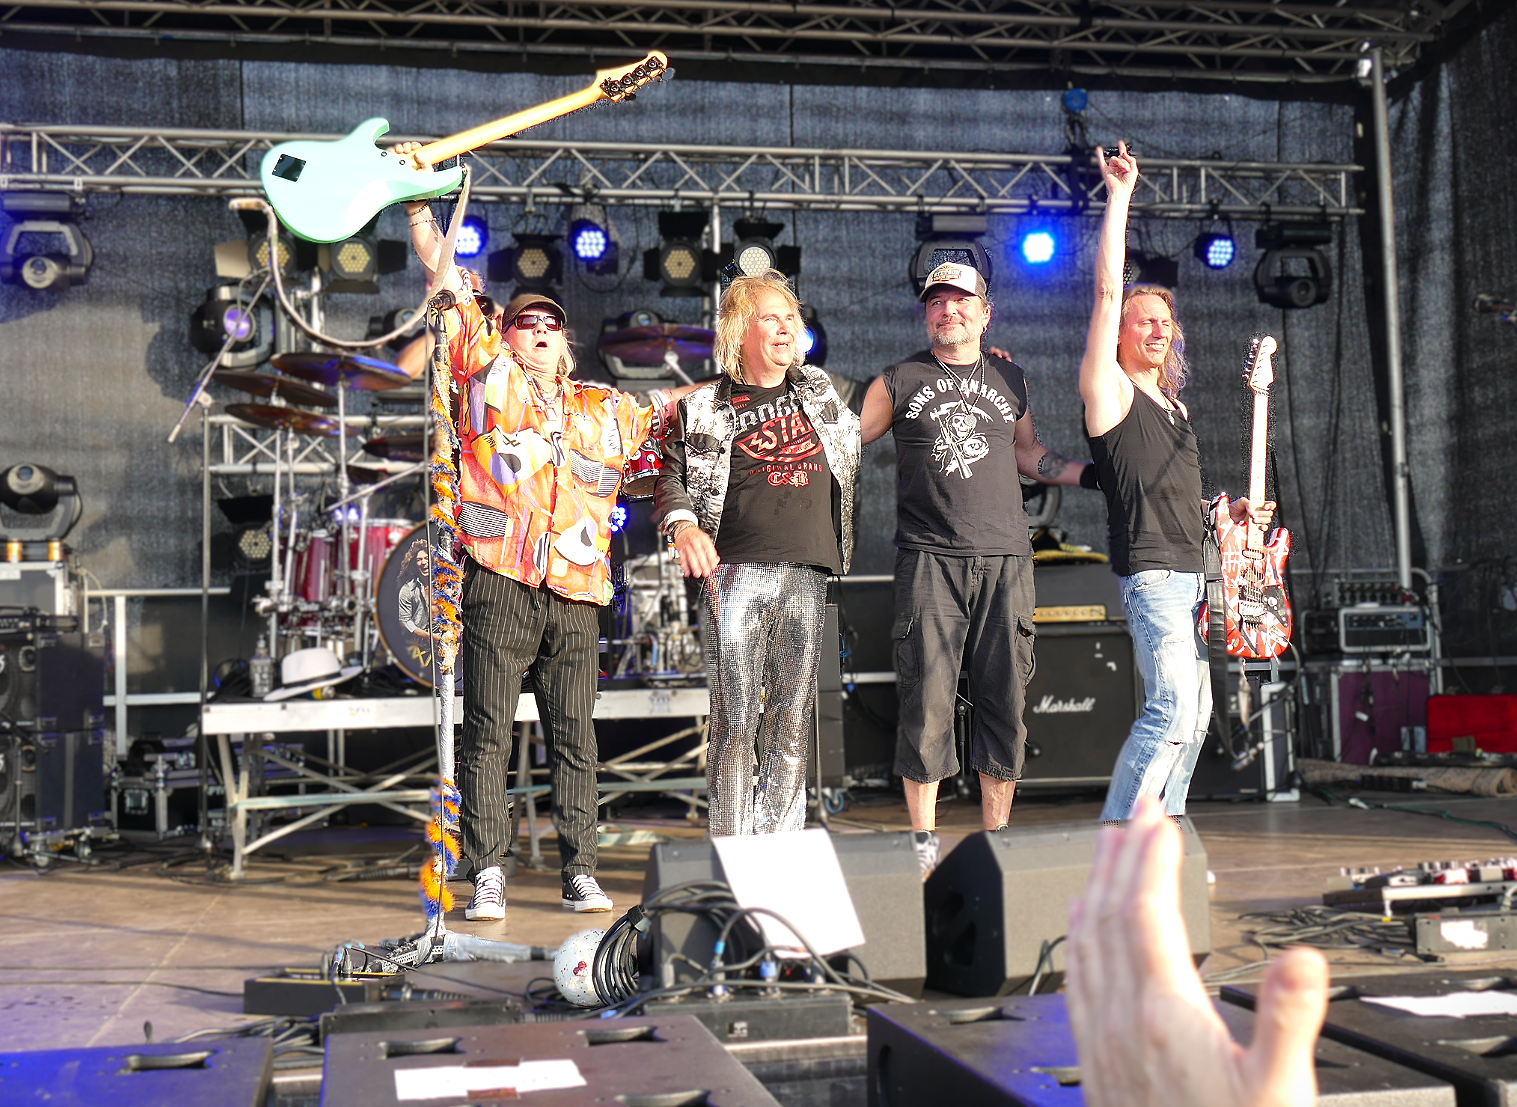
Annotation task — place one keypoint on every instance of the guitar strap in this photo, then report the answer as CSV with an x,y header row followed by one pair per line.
x,y
1216,634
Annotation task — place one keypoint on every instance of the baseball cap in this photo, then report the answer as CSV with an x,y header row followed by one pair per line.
x,y
527,300
965,278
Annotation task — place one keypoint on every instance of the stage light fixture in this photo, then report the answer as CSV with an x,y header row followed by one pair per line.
x,y
354,264
679,262
1038,247
756,253
813,338
44,248
473,237
949,238
294,255
588,240
533,263
592,240
229,310
1293,273
618,518
1141,268
1216,250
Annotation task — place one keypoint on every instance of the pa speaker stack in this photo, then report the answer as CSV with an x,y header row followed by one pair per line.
x,y
1001,898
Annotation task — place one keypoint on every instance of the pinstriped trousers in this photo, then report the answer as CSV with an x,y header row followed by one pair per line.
x,y
509,627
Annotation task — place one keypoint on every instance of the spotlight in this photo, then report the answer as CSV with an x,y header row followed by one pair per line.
x,y
293,255
1216,250
588,240
44,249
229,311
1293,273
949,238
1141,268
30,489
533,263
618,518
473,237
680,262
1038,247
756,253
355,263
813,338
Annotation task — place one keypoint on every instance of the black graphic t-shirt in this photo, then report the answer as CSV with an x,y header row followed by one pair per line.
x,y
958,490
779,489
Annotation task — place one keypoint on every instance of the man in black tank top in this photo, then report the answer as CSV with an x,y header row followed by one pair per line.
x,y
1150,469
963,577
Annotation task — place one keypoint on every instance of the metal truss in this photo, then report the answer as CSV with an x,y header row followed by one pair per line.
x,y
224,163
1228,40
241,449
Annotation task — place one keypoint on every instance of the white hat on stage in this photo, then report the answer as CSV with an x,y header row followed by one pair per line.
x,y
305,670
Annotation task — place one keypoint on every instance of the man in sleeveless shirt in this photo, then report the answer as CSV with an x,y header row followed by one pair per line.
x,y
1149,466
963,571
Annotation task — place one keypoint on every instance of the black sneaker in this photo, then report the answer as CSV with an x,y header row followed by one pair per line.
x,y
582,893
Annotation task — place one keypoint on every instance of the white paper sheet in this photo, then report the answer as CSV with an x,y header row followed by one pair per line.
x,y
1456,1005
457,1081
797,875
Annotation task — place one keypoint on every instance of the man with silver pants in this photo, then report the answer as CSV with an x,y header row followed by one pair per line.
x,y
756,493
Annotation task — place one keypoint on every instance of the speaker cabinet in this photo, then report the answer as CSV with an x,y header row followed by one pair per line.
x,y
53,681
1081,702
53,781
1020,1051
828,760
883,877
1000,895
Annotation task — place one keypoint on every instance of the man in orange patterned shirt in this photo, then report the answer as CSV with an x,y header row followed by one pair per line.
x,y
541,458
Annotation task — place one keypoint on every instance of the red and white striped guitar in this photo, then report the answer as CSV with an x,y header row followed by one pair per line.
x,y
1257,611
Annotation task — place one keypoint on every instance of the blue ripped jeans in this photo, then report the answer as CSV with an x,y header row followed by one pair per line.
x,y
1161,749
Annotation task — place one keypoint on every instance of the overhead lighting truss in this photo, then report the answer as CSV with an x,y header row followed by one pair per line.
x,y
225,164
1228,40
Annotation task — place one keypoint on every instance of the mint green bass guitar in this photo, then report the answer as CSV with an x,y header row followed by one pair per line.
x,y
329,191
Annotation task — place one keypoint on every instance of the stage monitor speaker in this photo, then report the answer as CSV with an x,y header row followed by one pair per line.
x,y
999,896
1020,1051
236,1073
884,880
52,681
53,781
1081,702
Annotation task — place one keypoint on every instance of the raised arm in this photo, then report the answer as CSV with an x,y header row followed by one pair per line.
x,y
1103,386
878,411
426,235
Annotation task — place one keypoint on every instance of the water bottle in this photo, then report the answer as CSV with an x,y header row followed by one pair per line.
x,y
261,670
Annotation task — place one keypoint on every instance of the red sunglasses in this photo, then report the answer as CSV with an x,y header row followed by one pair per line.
x,y
528,320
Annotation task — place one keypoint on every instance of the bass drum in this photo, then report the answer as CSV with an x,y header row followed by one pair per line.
x,y
401,610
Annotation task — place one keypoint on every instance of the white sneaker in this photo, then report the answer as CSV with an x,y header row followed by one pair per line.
x,y
489,902
582,893
926,842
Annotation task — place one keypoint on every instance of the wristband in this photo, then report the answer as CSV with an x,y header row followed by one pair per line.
x,y
1089,478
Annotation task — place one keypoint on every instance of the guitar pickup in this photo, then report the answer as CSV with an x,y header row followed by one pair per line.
x,y
288,168
1250,611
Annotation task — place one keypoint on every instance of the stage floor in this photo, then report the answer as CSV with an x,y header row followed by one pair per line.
x,y
90,956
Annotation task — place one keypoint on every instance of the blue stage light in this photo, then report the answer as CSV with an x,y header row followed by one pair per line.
x,y
1216,251
813,338
1038,247
588,240
473,237
618,518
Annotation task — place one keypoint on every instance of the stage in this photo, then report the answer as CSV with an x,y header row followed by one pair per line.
x,y
92,956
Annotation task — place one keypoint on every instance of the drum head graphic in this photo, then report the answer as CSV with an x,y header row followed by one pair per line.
x,y
401,608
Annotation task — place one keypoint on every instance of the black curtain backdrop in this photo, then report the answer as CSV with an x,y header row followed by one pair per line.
x,y
94,377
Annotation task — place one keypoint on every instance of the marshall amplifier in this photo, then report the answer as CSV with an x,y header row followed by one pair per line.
x,y
1081,702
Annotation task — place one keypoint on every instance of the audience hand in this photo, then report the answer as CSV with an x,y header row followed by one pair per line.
x,y
1146,1032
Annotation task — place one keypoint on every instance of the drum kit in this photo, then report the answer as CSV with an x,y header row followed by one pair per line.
x,y
357,583
339,577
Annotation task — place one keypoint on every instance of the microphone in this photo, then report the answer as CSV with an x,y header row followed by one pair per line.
x,y
1488,303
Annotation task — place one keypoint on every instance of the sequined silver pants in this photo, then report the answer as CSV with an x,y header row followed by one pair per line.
x,y
761,628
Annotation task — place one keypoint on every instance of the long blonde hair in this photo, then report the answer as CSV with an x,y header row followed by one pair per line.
x,y
1174,372
738,308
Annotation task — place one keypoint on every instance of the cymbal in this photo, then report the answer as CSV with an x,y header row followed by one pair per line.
x,y
367,374
410,446
288,418
370,473
646,345
267,384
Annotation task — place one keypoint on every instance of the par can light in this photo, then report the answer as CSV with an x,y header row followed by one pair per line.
x,y
473,237
1216,250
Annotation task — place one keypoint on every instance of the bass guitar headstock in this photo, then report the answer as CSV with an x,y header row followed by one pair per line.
x,y
1258,370
622,82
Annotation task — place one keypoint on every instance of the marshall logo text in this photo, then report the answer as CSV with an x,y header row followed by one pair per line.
x,y
1050,706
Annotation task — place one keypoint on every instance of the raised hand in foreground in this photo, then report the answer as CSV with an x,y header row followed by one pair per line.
x,y
1146,1032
